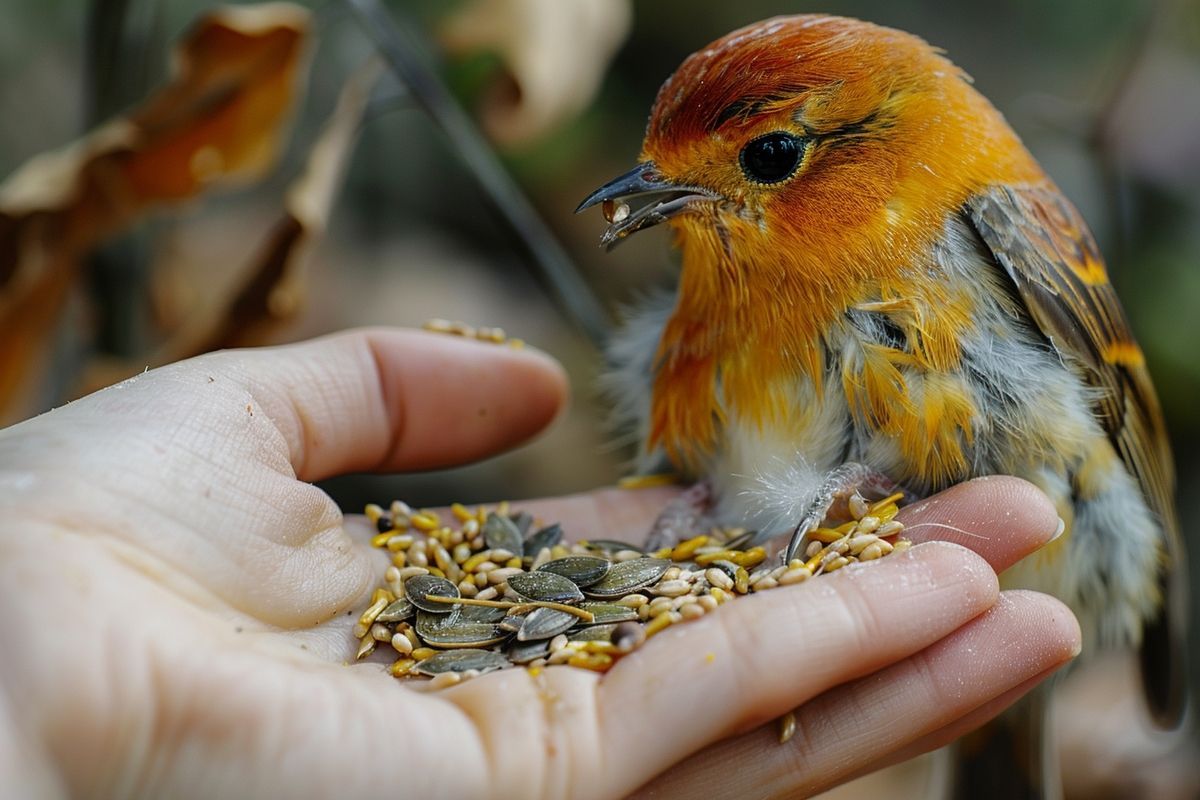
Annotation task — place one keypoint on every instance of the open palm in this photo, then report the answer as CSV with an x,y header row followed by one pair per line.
x,y
175,600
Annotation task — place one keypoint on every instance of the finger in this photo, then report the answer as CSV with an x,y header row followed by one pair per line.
x,y
904,710
385,399
1001,518
727,672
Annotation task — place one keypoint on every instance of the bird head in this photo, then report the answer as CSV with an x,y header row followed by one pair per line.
x,y
817,147
807,165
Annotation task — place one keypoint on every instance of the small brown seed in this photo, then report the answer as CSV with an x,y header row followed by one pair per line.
x,y
787,727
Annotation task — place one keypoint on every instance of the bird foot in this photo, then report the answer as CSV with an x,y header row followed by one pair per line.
x,y
842,488
681,518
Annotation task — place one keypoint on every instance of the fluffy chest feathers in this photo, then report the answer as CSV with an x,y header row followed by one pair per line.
x,y
927,376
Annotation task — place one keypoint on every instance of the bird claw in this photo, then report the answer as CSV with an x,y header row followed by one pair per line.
x,y
838,487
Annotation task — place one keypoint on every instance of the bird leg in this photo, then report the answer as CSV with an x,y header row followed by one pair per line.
x,y
682,517
833,498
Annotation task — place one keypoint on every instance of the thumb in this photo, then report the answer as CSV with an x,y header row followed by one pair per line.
x,y
386,399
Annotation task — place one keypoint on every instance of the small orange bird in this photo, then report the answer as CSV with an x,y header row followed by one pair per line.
x,y
879,284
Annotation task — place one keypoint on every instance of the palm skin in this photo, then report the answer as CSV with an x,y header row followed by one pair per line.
x,y
175,604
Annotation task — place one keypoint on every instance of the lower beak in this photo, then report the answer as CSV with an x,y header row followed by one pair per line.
x,y
666,199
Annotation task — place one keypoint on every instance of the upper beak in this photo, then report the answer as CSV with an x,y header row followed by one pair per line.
x,y
644,179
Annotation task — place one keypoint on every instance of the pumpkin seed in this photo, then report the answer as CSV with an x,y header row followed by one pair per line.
x,y
501,533
580,570
545,538
491,614
464,634
463,660
420,585
545,586
629,576
429,623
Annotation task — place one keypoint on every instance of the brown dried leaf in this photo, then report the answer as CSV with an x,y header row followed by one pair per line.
x,y
220,120
274,290
555,53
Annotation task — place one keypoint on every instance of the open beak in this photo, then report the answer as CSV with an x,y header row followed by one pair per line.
x,y
666,199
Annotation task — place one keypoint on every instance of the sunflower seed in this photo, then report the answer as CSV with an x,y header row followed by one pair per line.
x,y
524,652
593,633
611,546
742,541
545,623
545,586
417,587
580,570
501,533
398,611
511,622
461,661
629,576
524,521
545,538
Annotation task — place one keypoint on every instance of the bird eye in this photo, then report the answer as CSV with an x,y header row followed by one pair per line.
x,y
772,157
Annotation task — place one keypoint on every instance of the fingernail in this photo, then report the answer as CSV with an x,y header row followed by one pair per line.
x,y
1062,527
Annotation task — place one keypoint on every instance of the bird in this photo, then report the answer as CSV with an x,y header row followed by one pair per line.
x,y
880,287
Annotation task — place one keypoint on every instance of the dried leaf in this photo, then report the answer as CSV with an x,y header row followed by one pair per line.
x,y
274,290
221,120
555,53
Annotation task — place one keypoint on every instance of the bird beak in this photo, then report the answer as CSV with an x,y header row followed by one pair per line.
x,y
666,200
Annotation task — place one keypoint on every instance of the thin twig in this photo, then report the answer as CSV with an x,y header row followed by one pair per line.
x,y
397,44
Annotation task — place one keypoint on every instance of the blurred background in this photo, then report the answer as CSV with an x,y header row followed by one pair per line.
x,y
278,183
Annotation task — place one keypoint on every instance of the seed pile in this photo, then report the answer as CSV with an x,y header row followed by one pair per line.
x,y
492,590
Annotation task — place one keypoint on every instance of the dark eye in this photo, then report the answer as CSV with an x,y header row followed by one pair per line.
x,y
772,157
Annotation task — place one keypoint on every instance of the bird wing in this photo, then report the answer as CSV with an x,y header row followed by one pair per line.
x,y
1043,244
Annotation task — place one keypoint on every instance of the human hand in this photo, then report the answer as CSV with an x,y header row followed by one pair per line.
x,y
174,602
